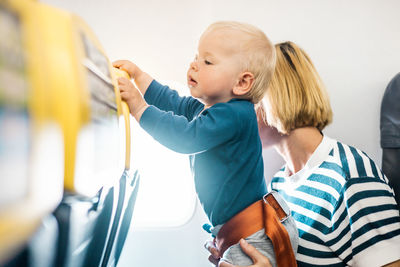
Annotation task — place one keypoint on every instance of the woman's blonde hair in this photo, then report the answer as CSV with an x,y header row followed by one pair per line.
x,y
296,96
258,55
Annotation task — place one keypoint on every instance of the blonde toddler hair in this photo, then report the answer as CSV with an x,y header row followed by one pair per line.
x,y
258,55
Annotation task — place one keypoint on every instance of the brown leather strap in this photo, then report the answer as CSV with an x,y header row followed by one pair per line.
x,y
275,230
265,214
243,224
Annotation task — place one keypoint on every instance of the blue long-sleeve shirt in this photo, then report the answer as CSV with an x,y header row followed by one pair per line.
x,y
223,144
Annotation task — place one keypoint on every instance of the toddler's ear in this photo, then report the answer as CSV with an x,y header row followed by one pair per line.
x,y
244,83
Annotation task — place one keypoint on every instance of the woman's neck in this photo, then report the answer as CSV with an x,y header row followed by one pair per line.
x,y
297,147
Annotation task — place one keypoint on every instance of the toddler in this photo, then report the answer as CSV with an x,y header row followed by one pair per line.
x,y
216,126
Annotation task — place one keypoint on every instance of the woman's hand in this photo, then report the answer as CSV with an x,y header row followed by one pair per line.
x,y
258,259
215,255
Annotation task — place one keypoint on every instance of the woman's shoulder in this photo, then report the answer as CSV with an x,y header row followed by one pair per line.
x,y
334,163
354,162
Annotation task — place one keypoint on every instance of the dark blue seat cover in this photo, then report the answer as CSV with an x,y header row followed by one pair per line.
x,y
390,134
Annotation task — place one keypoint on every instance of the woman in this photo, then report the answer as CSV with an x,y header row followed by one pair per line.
x,y
344,209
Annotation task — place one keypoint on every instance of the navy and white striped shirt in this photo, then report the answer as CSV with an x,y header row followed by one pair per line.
x,y
343,207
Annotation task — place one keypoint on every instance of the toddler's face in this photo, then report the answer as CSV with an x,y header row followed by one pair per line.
x,y
216,68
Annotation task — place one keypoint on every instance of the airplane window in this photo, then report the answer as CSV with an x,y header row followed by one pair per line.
x,y
166,196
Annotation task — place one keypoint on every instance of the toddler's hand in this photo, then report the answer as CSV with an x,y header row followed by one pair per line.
x,y
129,67
133,98
142,79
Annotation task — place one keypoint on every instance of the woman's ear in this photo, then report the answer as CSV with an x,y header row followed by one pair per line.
x,y
244,84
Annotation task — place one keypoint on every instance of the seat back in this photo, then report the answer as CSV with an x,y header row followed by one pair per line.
x,y
70,83
390,134
31,139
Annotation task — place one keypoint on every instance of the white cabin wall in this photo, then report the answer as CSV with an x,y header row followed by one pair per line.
x,y
355,46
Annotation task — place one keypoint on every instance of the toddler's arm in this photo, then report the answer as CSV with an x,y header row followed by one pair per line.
x,y
177,132
168,99
213,127
161,96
